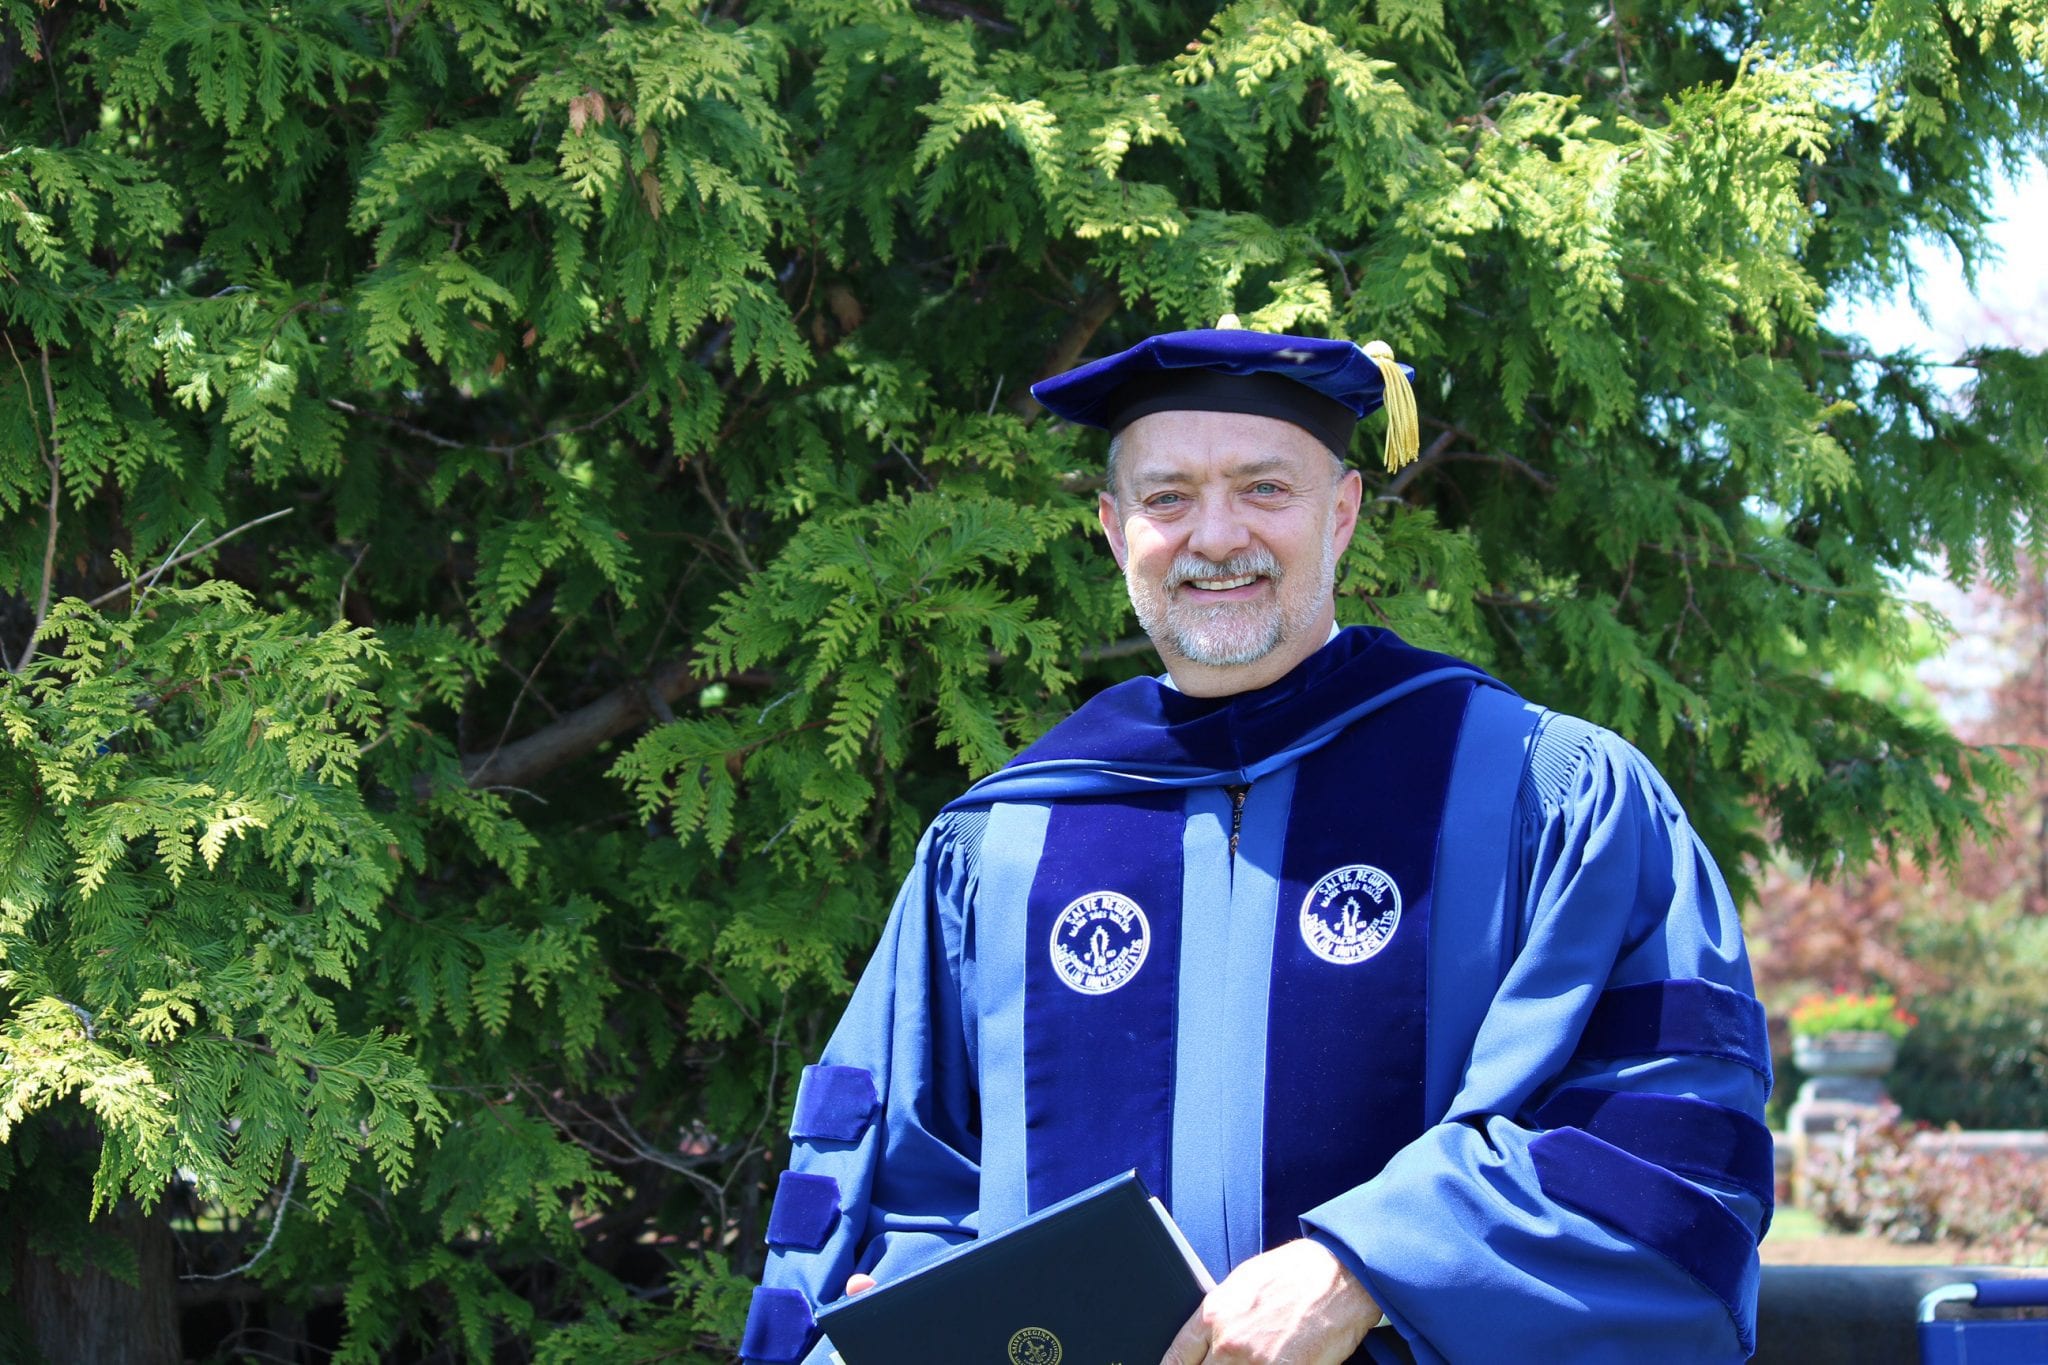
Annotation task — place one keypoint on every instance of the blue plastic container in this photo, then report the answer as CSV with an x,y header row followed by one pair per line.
x,y
1985,1341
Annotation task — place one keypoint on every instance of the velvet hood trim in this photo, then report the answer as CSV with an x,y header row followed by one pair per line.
x,y
1142,735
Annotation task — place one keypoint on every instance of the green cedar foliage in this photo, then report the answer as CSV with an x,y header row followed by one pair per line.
x,y
622,525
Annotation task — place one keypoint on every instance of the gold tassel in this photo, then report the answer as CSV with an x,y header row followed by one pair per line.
x,y
1404,427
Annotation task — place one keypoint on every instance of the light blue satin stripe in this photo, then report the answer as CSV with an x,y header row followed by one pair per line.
x,y
1468,939
1009,858
1255,912
1056,777
1201,1066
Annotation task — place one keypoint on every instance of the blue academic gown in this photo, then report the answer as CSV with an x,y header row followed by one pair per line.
x,y
1576,1167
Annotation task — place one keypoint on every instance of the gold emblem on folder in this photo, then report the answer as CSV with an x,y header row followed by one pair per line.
x,y
1034,1346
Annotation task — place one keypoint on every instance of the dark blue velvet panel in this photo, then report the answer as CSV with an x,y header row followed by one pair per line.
x,y
780,1327
1650,1205
1098,1061
806,1208
834,1103
1683,1017
1689,1136
1346,1040
1142,722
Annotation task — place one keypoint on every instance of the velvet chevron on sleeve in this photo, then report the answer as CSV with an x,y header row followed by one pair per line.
x,y
883,1150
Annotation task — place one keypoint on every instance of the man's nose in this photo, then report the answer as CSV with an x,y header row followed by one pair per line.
x,y
1219,531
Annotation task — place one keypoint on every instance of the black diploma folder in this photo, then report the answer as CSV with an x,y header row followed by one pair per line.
x,y
1103,1278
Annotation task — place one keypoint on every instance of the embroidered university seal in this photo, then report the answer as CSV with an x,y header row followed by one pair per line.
x,y
1034,1346
1098,943
1350,914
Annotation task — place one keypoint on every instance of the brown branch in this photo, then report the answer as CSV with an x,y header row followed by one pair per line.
x,y
28,388
111,593
341,597
193,684
1895,362
582,730
1125,648
1117,649
448,443
35,634
1439,453
399,25
1430,454
739,547
1752,564
284,1200
1620,52
525,686
948,10
1088,318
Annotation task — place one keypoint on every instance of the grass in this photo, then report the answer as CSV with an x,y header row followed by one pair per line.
x,y
1788,1223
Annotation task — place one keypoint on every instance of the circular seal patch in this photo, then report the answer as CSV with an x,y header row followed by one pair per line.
x,y
1350,914
1034,1346
1098,943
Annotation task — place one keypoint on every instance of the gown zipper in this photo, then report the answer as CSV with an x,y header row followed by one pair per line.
x,y
1237,799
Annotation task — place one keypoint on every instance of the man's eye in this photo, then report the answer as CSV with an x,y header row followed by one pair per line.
x,y
1162,499
1266,489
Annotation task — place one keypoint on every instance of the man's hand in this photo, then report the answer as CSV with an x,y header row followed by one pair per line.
x,y
1293,1305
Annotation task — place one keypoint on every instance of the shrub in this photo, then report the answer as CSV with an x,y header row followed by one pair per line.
x,y
1883,1179
1979,1058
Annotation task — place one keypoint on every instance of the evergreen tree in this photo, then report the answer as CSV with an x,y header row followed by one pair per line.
x,y
512,515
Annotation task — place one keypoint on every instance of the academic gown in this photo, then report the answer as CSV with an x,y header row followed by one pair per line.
x,y
1454,990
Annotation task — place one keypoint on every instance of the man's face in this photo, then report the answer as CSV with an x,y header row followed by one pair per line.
x,y
1228,527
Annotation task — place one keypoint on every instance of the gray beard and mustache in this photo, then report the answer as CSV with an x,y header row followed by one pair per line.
x,y
1228,633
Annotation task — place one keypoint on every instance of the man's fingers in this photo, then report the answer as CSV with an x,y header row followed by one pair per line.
x,y
1191,1345
859,1284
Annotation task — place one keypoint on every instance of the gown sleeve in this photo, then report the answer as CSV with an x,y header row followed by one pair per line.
x,y
1597,1187
884,1168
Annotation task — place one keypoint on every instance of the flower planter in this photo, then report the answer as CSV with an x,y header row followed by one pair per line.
x,y
1866,1054
1844,1070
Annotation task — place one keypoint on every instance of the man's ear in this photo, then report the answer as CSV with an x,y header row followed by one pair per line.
x,y
1113,526
1350,495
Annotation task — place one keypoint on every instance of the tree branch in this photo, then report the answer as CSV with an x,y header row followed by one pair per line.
x,y
732,537
1125,648
1088,318
111,593
525,686
341,597
582,730
1117,649
35,634
949,10
447,443
1890,362
1439,453
276,1222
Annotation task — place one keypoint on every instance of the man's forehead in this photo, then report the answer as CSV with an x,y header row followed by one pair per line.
x,y
1179,444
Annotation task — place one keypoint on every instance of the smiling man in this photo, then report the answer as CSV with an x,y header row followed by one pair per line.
x,y
1228,527
1422,1008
